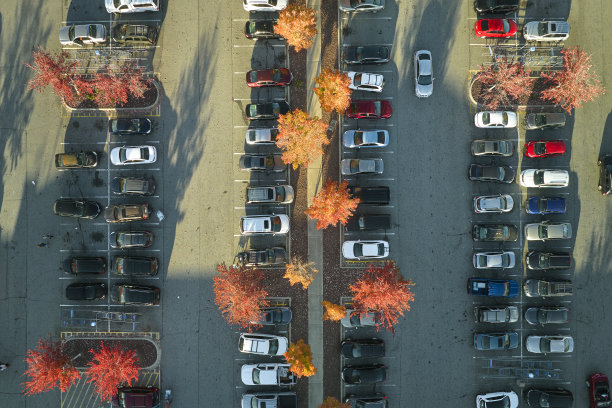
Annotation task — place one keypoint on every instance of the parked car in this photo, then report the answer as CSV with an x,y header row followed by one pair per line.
x,y
493,287
131,239
494,232
255,136
497,399
548,260
365,138
269,399
264,5
496,6
547,315
352,319
374,249
261,29
496,341
361,5
544,178
362,166
136,265
495,174
262,257
364,374
133,186
363,81
378,195
423,74
500,119
133,126
496,314
135,295
267,110
543,120
136,397
545,205
599,391
495,28
282,194
257,78
549,344
546,31
126,212
262,344
502,148
550,398
377,400
68,207
76,160
133,155
274,316
487,260
264,224
500,203
366,54
83,265
368,222
605,174
262,162
84,34
369,110
267,374
545,230
86,291
132,6
362,348
135,34
547,288
544,148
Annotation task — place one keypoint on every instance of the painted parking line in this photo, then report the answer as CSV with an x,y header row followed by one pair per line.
x,y
81,143
81,250
350,45
253,45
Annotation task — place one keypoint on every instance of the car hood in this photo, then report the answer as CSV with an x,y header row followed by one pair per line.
x,y
531,315
531,231
533,344
531,29
114,155
64,36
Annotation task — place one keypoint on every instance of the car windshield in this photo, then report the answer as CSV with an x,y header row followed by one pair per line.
x,y
92,30
377,107
486,118
544,345
71,32
355,319
280,193
144,153
484,25
506,25
256,372
253,110
540,120
253,78
358,138
539,148
542,28
273,346
542,205
276,224
424,79
270,162
504,118
506,288
502,403
123,155
354,166
542,315
357,79
485,341
358,249
543,261
542,231
276,75
538,178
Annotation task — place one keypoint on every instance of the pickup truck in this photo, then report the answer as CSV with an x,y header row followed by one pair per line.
x,y
544,288
493,287
267,374
270,400
270,194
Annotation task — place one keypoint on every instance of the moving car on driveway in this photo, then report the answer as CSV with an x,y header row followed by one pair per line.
x,y
493,120
599,391
605,174
501,203
77,160
375,249
423,74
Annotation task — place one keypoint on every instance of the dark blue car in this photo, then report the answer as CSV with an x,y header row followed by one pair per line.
x,y
493,287
546,205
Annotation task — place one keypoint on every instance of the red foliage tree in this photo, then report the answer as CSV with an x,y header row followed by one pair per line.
x,y
333,90
113,88
298,25
332,204
111,367
503,84
57,72
301,138
300,357
48,367
240,295
382,289
574,85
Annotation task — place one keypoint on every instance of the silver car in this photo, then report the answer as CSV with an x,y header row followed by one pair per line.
x,y
547,315
544,120
261,136
361,5
365,249
86,34
546,31
132,6
352,319
550,344
545,230
423,74
363,81
262,344
362,166
500,203
490,260
492,148
365,138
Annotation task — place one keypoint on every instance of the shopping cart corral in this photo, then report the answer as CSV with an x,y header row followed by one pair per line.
x,y
522,369
99,321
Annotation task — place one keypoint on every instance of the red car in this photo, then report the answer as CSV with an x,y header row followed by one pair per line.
x,y
268,77
599,391
495,28
543,148
370,110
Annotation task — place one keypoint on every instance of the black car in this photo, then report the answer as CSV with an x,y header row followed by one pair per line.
x,y
547,315
377,400
131,239
371,195
368,222
86,291
494,232
366,374
133,126
554,398
76,160
261,29
78,265
496,6
496,174
268,110
128,34
605,174
548,260
68,207
272,316
136,265
262,257
544,120
135,295
133,186
367,54
362,348
136,397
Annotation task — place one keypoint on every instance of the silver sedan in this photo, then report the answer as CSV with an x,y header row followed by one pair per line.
x,y
500,203
365,138
362,166
361,5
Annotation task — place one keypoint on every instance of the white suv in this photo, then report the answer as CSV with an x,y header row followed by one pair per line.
x,y
264,224
264,5
132,6
546,30
263,344
544,178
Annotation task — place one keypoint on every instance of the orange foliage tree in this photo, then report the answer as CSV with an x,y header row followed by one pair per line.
x,y
503,84
240,295
298,271
298,25
48,367
382,289
111,367
333,90
300,357
332,402
332,204
333,311
301,138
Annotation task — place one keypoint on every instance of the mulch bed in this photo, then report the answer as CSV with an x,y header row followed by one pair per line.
x,y
148,99
534,98
79,350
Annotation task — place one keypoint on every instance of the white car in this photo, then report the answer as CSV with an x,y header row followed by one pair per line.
x,y
261,136
362,166
361,5
500,203
352,319
365,138
495,119
497,400
545,230
546,31
132,6
133,155
264,224
363,81
423,74
550,344
263,344
267,374
264,5
487,260
544,178
86,34
365,249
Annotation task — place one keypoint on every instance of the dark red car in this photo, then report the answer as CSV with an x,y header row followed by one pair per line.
x,y
495,28
544,148
599,391
268,77
370,110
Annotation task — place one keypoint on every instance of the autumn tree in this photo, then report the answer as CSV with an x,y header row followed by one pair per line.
x,y
112,367
574,85
503,84
300,357
298,271
333,90
298,25
382,289
332,204
240,295
112,88
332,402
301,138
333,312
48,367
